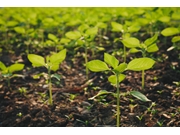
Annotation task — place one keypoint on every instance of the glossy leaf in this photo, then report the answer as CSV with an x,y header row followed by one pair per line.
x,y
57,58
139,96
36,60
19,30
112,78
131,42
169,31
152,48
175,39
2,66
111,60
92,31
139,64
73,35
116,27
15,67
134,50
97,66
121,68
151,40
52,37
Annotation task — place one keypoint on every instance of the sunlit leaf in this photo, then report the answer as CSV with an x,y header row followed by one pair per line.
x,y
57,58
112,79
139,64
97,66
131,42
36,60
15,67
101,92
139,96
151,40
116,27
2,66
170,31
19,30
111,60
175,39
121,68
73,35
152,48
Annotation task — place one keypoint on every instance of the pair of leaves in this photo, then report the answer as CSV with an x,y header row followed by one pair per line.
x,y
134,43
53,61
12,68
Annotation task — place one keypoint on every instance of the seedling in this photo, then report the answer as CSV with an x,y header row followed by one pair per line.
x,y
22,91
7,72
83,37
160,123
117,69
127,29
147,47
52,63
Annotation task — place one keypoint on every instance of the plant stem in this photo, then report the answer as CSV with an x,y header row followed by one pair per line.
x,y
50,86
118,100
142,79
124,53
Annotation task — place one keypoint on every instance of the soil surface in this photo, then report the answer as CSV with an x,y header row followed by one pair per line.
x,y
71,105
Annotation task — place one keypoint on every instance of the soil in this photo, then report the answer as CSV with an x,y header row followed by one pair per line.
x,y
71,105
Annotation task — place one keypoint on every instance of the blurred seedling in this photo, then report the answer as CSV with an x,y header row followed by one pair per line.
x,y
50,63
117,77
8,72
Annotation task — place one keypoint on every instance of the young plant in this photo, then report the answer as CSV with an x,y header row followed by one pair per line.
x,y
7,72
118,76
83,37
51,63
148,46
127,29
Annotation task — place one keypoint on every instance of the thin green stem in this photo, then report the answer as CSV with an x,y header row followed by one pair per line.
x,y
142,79
124,48
50,86
118,100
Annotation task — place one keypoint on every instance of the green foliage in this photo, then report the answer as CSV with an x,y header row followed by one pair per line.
x,y
7,72
52,63
139,96
170,31
140,64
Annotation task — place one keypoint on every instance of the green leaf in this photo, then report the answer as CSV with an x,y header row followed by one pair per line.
x,y
97,66
57,58
2,66
133,28
15,67
12,23
134,50
83,27
164,19
169,31
175,39
139,96
19,30
121,68
152,48
73,35
52,37
151,40
111,60
64,40
54,67
36,60
57,76
116,27
139,64
131,42
92,31
112,78
101,92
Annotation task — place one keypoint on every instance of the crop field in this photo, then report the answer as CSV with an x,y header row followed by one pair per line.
x,y
90,67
